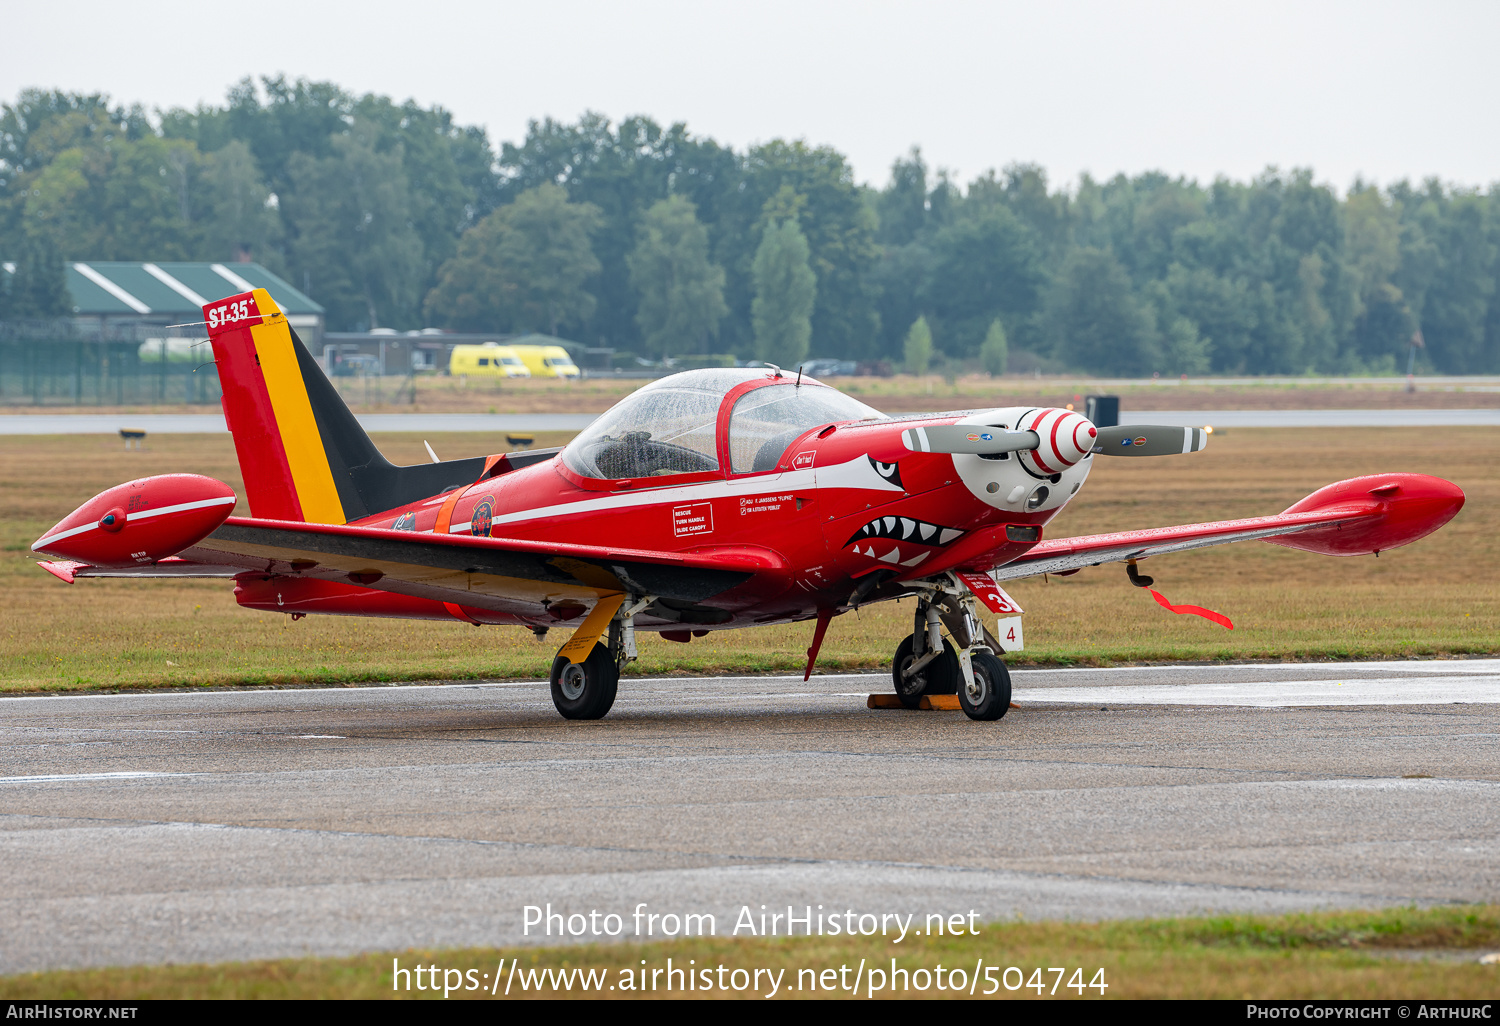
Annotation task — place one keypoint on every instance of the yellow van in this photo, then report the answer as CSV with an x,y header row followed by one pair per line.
x,y
489,360
547,361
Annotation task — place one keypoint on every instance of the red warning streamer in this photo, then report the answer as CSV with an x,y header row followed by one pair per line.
x,y
1207,614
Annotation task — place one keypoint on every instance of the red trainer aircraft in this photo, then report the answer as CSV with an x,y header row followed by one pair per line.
x,y
707,500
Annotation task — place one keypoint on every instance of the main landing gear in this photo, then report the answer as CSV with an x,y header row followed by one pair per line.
x,y
926,663
585,690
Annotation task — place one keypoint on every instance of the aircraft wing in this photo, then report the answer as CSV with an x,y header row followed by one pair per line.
x,y
1066,554
499,573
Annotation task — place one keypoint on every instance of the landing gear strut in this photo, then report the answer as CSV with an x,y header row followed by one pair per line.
x,y
585,690
926,663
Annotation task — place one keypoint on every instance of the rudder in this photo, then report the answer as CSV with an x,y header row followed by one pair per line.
x,y
303,454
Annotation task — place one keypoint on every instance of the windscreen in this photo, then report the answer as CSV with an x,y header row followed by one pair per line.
x,y
768,419
653,433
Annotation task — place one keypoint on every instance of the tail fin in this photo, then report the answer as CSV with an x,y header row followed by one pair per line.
x,y
303,454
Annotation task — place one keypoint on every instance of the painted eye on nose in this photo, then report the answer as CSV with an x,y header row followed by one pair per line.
x,y
889,471
113,519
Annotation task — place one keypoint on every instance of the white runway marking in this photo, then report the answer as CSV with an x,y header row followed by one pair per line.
x,y
1390,691
1479,666
1411,682
51,778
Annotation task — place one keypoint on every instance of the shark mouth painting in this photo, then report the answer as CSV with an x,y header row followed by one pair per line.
x,y
875,538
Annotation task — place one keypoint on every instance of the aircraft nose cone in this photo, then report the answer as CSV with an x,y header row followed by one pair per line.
x,y
1066,438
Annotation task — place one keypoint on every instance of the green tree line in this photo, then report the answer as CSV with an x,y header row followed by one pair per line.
x,y
653,240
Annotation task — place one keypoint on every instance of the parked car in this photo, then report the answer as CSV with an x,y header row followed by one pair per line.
x,y
488,360
546,361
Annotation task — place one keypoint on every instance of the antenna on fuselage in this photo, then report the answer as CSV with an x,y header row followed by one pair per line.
x,y
799,377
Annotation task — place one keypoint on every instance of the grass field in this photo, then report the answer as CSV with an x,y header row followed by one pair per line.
x,y
1439,597
1400,953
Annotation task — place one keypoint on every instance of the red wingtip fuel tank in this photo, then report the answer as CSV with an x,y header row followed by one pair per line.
x,y
1412,506
140,521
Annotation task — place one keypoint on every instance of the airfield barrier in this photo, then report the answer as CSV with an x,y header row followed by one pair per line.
x,y
51,364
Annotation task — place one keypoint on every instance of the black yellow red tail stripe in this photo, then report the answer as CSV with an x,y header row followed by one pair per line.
x,y
303,454
266,405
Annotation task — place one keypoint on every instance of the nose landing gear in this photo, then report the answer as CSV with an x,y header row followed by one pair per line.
x,y
926,663
938,676
985,694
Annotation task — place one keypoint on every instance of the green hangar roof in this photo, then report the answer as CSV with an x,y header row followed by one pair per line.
x,y
111,288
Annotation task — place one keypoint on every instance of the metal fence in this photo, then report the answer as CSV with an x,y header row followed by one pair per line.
x,y
54,363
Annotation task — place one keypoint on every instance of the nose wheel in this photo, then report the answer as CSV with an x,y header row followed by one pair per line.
x,y
938,677
926,663
985,695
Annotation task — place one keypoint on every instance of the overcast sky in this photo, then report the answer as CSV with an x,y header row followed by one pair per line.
x,y
1379,90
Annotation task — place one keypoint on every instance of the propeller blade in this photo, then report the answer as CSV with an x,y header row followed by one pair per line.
x,y
982,441
1149,440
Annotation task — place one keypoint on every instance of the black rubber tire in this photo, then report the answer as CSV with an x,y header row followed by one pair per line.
x,y
989,698
592,693
939,677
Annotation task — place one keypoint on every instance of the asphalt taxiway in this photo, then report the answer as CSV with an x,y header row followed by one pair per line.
x,y
145,828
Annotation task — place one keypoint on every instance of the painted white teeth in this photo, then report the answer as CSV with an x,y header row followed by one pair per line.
x,y
905,529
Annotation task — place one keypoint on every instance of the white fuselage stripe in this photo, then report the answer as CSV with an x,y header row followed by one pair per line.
x,y
856,473
682,493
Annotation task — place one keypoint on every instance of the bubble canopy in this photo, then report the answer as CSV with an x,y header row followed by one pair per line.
x,y
669,427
